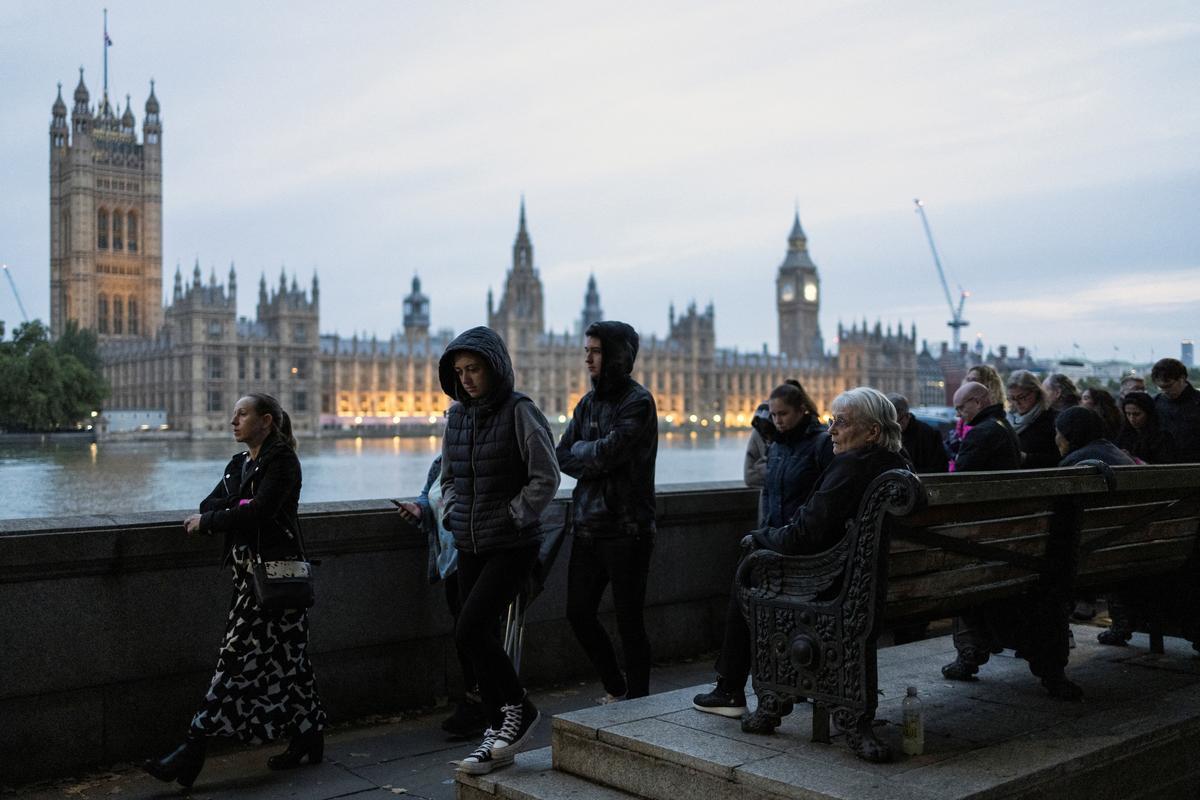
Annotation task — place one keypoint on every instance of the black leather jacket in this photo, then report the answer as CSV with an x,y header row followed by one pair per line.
x,y
268,523
611,443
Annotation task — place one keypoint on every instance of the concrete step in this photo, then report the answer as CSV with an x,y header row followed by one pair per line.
x,y
1137,734
533,777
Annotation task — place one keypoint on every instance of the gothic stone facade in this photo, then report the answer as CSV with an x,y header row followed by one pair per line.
x,y
695,383
105,218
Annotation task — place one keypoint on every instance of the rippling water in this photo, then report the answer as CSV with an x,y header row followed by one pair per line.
x,y
75,477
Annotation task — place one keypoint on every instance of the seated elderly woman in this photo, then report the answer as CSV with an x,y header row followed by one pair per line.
x,y
866,443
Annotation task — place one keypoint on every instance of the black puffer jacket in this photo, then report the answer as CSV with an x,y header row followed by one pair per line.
x,y
611,443
1083,429
990,444
496,479
272,487
794,461
821,521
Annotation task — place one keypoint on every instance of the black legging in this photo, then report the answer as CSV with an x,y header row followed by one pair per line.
x,y
487,583
624,562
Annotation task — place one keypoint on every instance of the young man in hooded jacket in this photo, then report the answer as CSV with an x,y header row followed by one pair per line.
x,y
498,474
610,446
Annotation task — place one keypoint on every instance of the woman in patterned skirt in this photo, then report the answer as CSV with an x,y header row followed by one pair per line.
x,y
263,686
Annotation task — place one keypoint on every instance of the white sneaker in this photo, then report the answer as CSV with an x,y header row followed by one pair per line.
x,y
484,759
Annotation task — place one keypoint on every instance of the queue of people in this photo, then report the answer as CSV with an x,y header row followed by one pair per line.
x,y
499,468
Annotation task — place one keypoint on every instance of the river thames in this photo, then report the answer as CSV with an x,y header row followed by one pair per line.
x,y
64,478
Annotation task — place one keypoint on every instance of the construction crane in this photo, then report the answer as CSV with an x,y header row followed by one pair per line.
x,y
956,323
16,294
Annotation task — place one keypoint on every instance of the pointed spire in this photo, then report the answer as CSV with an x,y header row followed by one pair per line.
x,y
127,120
522,228
151,101
316,287
212,277
522,247
59,109
797,234
282,279
295,286
178,294
232,279
262,289
196,273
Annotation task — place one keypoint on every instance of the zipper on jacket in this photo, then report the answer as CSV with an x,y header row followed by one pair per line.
x,y
474,494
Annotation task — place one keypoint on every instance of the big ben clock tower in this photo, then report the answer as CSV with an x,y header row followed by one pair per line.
x,y
798,299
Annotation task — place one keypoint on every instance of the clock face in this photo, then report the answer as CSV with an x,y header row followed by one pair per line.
x,y
810,291
787,291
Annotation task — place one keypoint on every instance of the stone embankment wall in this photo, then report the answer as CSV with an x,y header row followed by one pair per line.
x,y
109,626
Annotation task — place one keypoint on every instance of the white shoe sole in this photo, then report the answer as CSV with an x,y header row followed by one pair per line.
x,y
733,712
483,767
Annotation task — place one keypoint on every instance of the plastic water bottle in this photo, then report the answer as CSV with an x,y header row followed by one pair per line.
x,y
912,734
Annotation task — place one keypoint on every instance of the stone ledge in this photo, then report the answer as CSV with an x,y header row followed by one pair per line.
x,y
1137,733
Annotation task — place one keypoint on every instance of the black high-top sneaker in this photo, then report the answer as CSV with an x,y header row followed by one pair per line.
x,y
726,700
517,727
484,759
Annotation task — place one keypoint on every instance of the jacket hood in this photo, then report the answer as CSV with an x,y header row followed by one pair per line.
x,y
1079,426
487,344
618,349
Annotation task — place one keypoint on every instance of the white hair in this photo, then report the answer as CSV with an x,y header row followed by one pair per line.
x,y
872,407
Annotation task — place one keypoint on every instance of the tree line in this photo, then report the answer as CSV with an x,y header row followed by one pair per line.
x,y
49,385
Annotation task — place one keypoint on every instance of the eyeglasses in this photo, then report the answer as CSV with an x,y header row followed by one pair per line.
x,y
841,421
963,405
1020,397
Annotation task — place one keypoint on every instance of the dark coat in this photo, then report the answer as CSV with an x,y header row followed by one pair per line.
x,y
821,521
611,443
1180,418
924,446
1037,442
272,487
482,459
1151,445
1098,450
794,462
991,443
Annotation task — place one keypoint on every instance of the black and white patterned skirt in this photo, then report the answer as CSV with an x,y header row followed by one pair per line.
x,y
263,688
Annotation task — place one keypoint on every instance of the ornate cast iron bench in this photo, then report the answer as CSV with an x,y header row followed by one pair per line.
x,y
928,547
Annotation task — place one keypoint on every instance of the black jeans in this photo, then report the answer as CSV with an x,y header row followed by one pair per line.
x,y
454,602
625,563
487,583
733,664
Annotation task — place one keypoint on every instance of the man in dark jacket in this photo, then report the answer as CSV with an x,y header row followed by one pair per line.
x,y
1035,627
498,474
1178,405
922,442
610,446
991,443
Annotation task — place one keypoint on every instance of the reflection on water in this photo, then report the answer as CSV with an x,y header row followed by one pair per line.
x,y
73,477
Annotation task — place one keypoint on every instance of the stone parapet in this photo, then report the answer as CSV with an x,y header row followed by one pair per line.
x,y
111,624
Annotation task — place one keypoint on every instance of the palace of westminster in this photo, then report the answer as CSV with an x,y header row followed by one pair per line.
x,y
193,358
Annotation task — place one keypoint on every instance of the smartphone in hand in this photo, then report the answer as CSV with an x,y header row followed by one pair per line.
x,y
405,513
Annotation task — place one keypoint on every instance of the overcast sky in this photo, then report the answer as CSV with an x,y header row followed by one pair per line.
x,y
662,146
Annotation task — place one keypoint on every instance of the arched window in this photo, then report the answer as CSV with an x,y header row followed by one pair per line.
x,y
133,316
131,233
102,314
118,316
102,229
118,240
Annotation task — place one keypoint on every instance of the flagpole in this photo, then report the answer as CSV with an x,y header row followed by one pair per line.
x,y
105,58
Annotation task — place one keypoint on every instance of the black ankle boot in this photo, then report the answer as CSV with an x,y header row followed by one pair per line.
x,y
310,745
182,764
